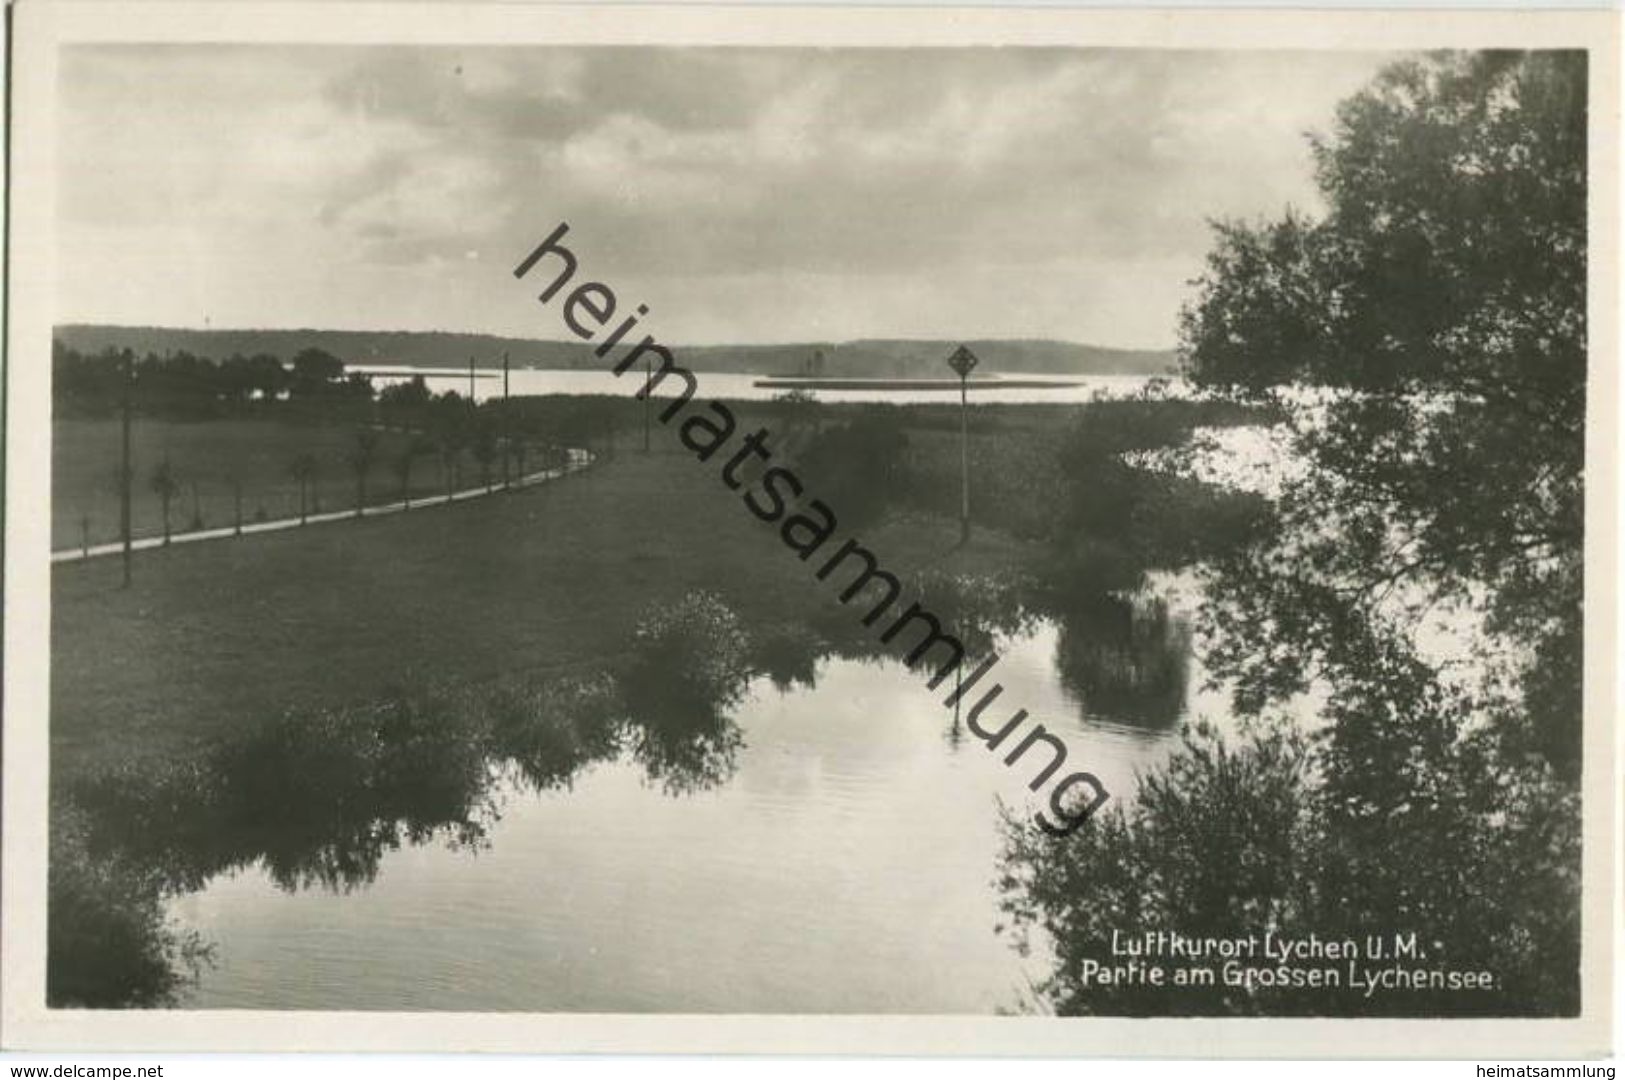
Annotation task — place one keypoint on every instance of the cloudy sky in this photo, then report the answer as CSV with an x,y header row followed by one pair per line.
x,y
745,195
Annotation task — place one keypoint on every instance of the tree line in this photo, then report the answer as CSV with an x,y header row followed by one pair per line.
x,y
185,386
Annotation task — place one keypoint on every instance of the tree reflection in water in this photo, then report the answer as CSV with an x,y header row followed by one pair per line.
x,y
318,799
1121,652
1126,658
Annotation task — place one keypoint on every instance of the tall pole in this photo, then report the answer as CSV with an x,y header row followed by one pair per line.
x,y
507,474
964,459
471,379
125,474
962,362
648,400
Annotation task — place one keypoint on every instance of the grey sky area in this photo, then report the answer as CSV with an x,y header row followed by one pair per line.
x,y
745,195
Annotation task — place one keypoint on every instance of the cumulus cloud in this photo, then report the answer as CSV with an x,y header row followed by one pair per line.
x,y
748,194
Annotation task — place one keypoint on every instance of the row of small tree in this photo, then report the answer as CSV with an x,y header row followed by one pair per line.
x,y
502,461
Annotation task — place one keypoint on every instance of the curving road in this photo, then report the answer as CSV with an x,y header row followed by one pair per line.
x,y
576,460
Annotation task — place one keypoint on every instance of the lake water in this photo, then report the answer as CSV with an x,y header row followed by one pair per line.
x,y
736,387
832,847
844,863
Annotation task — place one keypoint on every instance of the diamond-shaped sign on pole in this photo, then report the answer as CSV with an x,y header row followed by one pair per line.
x,y
963,361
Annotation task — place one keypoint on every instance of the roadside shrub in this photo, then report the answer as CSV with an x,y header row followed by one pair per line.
x,y
690,658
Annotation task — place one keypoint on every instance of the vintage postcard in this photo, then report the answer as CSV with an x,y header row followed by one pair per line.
x,y
784,530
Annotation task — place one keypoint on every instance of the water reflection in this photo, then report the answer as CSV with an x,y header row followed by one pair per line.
x,y
1123,655
319,801
553,731
788,655
687,751
1126,659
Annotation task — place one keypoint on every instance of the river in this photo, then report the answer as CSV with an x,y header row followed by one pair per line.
x,y
841,860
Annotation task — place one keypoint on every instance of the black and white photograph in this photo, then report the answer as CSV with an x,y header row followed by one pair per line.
x,y
696,523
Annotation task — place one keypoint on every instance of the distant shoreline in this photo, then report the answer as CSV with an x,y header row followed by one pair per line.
x,y
863,358
790,382
426,372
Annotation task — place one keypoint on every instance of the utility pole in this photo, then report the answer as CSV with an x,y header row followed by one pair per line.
x,y
648,402
125,474
507,428
471,380
963,361
964,461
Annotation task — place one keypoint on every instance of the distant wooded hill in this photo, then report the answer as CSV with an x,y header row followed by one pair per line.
x,y
899,358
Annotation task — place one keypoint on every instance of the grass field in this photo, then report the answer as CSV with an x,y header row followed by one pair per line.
x,y
205,456
213,637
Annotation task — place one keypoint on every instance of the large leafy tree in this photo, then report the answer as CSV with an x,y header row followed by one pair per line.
x,y
1439,310
1421,566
